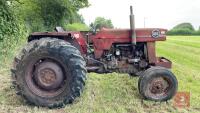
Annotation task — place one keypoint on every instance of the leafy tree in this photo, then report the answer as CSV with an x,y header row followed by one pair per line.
x,y
180,32
10,29
101,22
45,15
17,17
7,20
9,25
183,29
184,26
77,27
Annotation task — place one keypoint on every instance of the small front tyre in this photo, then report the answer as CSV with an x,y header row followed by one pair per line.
x,y
157,84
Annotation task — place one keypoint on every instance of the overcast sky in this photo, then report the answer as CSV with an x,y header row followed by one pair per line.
x,y
157,13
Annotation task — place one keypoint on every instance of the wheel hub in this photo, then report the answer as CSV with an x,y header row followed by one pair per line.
x,y
158,86
48,75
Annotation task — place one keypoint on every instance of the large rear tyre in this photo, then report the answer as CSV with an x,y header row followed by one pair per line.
x,y
49,72
157,84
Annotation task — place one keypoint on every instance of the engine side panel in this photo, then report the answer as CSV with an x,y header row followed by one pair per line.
x,y
104,39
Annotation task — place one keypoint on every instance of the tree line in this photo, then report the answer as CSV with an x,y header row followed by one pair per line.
x,y
184,29
18,18
44,15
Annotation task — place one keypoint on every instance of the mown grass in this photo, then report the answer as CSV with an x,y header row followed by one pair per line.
x,y
118,93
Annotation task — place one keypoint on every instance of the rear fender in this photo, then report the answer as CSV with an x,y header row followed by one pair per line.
x,y
75,38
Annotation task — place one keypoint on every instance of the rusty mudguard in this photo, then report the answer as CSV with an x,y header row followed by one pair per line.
x,y
163,62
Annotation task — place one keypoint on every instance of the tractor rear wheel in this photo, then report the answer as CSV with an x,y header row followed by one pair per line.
x,y
157,84
49,72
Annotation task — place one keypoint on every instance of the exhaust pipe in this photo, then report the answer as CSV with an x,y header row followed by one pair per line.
x,y
132,26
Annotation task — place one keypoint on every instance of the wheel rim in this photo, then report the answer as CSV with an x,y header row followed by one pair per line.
x,y
46,78
159,87
48,75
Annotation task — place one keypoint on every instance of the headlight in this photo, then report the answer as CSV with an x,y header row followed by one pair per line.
x,y
156,33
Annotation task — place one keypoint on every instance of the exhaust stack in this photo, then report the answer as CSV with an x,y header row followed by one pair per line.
x,y
132,26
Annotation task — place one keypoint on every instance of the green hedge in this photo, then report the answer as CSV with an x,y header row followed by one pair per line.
x,y
185,32
11,31
77,27
183,29
180,32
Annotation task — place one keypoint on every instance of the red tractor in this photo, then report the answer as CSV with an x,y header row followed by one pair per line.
x,y
51,69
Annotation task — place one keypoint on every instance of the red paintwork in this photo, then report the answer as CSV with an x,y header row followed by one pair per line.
x,y
81,41
78,36
163,62
104,39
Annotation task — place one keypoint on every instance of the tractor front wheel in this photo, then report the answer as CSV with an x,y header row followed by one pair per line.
x,y
49,72
157,84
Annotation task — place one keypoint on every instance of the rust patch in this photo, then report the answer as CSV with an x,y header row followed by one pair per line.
x,y
151,52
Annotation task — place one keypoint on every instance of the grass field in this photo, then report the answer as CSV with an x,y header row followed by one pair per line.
x,y
118,93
